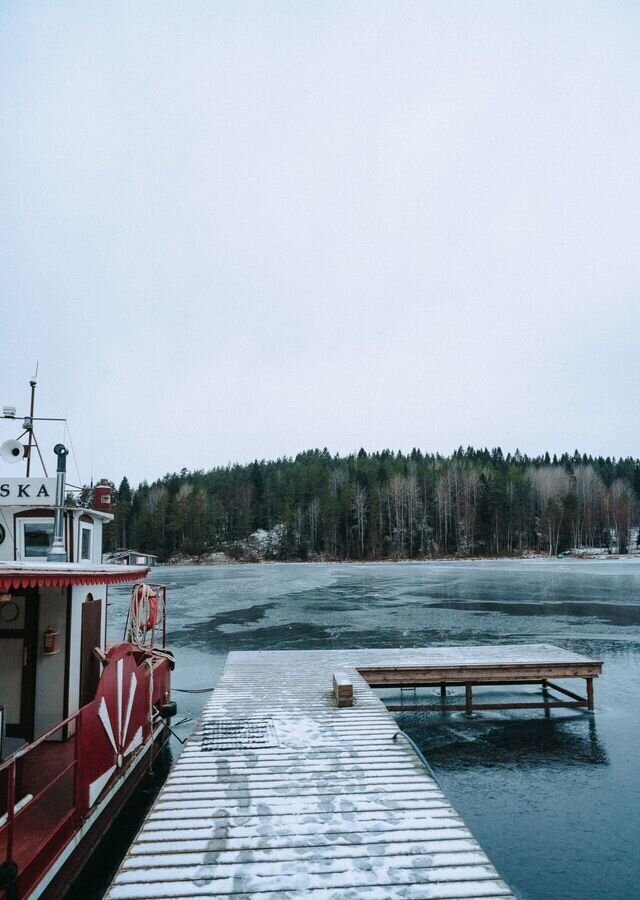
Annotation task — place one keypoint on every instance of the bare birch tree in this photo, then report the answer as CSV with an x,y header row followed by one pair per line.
x,y
413,503
360,503
552,484
589,489
313,514
443,505
620,504
398,496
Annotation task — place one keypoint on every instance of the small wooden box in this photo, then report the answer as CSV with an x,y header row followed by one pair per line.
x,y
342,689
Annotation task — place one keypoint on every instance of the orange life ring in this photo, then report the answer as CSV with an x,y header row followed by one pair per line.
x,y
142,594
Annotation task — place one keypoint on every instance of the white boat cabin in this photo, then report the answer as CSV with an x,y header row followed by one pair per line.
x,y
52,617
52,614
26,533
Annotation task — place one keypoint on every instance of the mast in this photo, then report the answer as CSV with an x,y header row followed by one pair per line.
x,y
30,429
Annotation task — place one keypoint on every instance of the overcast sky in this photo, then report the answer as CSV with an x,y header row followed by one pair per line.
x,y
236,230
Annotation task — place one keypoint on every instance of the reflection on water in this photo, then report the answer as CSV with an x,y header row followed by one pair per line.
x,y
570,740
611,613
555,798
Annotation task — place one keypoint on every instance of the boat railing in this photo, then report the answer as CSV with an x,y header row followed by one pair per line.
x,y
50,786
39,797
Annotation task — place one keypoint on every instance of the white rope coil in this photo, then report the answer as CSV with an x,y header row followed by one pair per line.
x,y
145,614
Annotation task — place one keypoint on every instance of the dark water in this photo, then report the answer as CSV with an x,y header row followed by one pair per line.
x,y
554,799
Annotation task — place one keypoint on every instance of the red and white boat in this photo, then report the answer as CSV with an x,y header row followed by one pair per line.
x,y
80,721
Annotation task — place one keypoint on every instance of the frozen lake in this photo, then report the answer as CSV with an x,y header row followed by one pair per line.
x,y
554,800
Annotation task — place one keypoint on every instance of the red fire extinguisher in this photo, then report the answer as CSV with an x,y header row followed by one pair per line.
x,y
50,640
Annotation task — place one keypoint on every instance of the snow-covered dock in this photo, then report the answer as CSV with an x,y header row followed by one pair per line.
x,y
297,783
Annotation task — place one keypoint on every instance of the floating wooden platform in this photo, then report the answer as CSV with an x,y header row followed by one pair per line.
x,y
297,783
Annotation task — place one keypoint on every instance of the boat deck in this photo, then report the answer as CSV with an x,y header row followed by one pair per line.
x,y
45,782
298,783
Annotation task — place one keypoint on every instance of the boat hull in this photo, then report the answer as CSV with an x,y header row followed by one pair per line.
x,y
67,787
57,880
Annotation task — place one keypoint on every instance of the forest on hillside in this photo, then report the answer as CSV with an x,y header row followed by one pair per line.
x,y
385,505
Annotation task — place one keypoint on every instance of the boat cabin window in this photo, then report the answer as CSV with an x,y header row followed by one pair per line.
x,y
36,538
86,536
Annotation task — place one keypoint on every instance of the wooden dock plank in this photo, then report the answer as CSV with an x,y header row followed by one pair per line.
x,y
381,889
204,797
284,792
280,825
191,842
442,849
437,883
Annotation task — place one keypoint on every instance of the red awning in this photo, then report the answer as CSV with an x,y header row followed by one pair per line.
x,y
17,578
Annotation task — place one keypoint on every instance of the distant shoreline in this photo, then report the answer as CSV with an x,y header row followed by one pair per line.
x,y
194,563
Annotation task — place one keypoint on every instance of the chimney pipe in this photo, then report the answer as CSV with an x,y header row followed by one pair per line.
x,y
58,553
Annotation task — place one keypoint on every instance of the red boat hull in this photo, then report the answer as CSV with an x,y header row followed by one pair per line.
x,y
64,790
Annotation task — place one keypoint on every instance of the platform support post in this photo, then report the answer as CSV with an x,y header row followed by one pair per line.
x,y
589,693
468,699
443,691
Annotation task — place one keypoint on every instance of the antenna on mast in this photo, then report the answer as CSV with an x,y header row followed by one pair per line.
x,y
12,451
28,422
